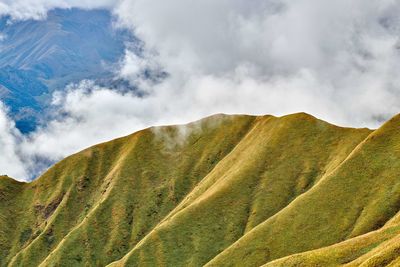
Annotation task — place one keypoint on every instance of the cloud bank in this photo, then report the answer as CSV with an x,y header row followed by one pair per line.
x,y
336,60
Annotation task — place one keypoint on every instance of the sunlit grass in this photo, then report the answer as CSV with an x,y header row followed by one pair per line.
x,y
224,191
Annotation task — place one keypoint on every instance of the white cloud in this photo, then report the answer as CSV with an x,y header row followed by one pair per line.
x,y
137,69
348,46
10,159
37,9
337,60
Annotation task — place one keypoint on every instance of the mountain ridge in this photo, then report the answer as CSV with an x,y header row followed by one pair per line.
x,y
223,191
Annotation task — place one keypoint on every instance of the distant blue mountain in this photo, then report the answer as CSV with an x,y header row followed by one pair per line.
x,y
38,57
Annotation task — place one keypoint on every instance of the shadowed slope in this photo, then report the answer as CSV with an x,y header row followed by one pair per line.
x,y
223,191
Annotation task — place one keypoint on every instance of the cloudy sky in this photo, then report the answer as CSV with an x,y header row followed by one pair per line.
x,y
337,60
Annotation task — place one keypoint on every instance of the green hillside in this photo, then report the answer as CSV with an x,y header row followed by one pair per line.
x,y
223,191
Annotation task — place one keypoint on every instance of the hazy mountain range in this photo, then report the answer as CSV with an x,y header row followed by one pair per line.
x,y
40,56
223,191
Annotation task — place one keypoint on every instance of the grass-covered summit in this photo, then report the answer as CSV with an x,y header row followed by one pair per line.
x,y
223,191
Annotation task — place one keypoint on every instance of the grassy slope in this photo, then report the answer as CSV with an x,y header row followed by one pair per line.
x,y
359,196
228,190
377,248
9,188
278,160
95,205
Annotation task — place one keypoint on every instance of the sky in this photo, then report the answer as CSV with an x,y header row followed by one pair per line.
x,y
337,60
